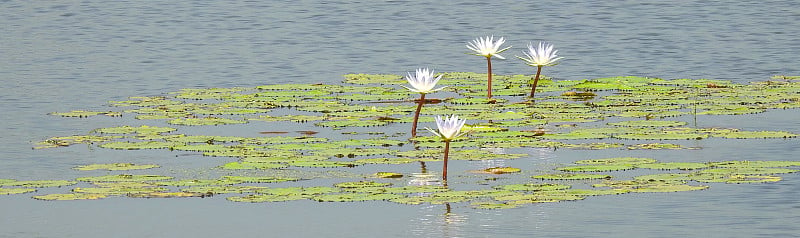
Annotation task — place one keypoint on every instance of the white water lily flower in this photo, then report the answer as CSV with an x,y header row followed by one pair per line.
x,y
449,127
542,55
487,47
423,81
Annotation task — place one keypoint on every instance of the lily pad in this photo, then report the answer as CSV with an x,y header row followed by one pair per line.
x,y
124,178
40,183
499,170
8,191
361,184
618,160
70,196
125,145
533,187
116,166
268,198
145,129
205,121
388,175
597,168
265,179
571,176
673,165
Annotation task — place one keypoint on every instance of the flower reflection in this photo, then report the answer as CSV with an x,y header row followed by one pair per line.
x,y
438,221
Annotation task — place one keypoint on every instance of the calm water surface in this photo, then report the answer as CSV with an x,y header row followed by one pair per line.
x,y
71,55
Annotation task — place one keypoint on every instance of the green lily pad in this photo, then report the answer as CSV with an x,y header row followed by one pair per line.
x,y
9,191
571,176
499,170
197,182
673,165
265,179
111,191
290,191
756,134
533,187
648,123
62,141
669,188
116,166
40,183
267,198
355,197
81,113
70,196
252,165
361,184
145,129
597,168
205,121
493,205
740,179
749,171
166,195
374,79
388,175
123,178
618,161
223,189
755,164
125,145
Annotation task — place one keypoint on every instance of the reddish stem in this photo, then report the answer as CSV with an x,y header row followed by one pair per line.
x,y
536,80
446,153
416,115
489,64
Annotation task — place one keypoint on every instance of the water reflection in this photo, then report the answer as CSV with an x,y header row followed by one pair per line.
x,y
438,220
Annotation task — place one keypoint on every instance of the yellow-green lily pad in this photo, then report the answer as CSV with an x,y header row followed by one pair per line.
x,y
116,166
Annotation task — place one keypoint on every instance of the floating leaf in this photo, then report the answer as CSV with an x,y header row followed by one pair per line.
x,y
166,195
123,178
268,198
618,160
211,190
749,171
124,145
80,113
756,134
252,165
532,187
388,175
361,184
571,176
40,183
116,166
648,123
145,129
499,170
596,168
71,196
673,165
197,182
355,197
205,121
8,191
755,164
265,179
110,191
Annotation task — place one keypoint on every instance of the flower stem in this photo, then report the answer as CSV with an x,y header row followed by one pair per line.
x,y
416,115
536,80
489,66
446,153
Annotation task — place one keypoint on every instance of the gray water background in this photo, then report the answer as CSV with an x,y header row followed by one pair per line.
x,y
77,55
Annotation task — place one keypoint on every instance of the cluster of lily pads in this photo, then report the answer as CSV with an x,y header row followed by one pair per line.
x,y
359,123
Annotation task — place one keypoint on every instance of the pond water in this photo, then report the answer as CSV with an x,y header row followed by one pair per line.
x,y
78,55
